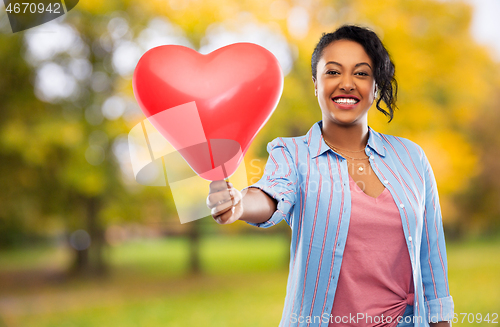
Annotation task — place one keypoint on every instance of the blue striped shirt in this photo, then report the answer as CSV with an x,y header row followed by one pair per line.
x,y
310,183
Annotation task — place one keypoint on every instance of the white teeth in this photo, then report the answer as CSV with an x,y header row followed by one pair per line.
x,y
345,101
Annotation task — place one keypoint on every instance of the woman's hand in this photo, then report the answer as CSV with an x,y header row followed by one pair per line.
x,y
225,202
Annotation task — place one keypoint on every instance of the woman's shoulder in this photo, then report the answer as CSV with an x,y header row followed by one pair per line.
x,y
289,143
299,145
399,145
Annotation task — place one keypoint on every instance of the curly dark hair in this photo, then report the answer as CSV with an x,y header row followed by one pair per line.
x,y
383,66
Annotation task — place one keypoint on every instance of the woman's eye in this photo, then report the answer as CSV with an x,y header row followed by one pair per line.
x,y
362,74
332,72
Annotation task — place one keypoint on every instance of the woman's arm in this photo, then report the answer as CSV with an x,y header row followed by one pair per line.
x,y
433,260
227,204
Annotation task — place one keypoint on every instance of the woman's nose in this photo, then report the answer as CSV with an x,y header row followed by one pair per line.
x,y
347,84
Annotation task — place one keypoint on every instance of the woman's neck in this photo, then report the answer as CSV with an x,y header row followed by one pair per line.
x,y
353,137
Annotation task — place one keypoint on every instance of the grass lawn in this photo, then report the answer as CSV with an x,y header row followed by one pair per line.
x,y
243,284
474,276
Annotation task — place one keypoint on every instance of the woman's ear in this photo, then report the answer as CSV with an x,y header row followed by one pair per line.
x,y
315,87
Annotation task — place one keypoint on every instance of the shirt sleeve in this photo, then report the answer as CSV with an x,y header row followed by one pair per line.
x,y
438,302
279,182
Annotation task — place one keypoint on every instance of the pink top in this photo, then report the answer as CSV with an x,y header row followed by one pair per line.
x,y
375,277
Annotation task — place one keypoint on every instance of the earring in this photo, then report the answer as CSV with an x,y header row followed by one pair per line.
x,y
315,93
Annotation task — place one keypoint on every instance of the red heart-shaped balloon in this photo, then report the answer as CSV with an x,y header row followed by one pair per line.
x,y
209,107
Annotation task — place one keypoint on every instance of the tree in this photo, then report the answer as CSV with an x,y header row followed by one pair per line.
x,y
60,148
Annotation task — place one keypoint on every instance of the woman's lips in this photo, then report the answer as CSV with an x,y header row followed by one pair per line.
x,y
345,103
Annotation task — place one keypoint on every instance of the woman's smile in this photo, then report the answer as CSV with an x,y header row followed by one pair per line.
x,y
346,102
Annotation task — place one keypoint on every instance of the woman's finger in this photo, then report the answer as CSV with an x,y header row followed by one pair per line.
x,y
218,198
221,208
224,217
217,186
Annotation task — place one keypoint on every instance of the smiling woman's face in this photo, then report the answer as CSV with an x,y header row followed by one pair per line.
x,y
344,83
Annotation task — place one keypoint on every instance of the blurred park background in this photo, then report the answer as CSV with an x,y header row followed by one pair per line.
x,y
83,244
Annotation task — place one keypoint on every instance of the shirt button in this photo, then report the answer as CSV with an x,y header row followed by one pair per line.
x,y
409,238
401,205
386,181
372,157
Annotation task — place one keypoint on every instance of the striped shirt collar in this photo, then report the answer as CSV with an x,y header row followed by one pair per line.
x,y
317,146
